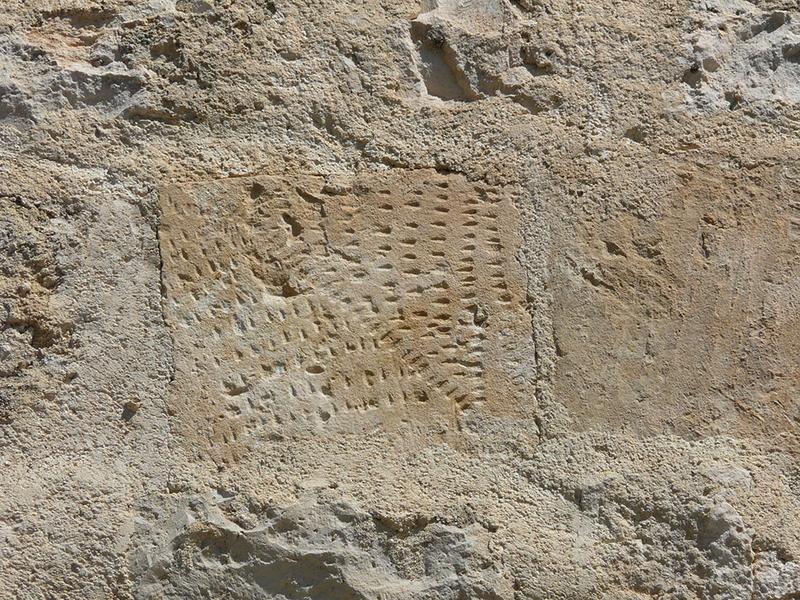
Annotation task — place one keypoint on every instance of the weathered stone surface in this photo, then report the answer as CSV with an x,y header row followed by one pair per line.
x,y
684,322
423,299
304,307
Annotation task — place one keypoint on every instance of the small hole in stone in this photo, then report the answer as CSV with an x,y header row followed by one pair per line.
x,y
256,190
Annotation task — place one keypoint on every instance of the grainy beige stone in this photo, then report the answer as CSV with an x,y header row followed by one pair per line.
x,y
429,299
391,300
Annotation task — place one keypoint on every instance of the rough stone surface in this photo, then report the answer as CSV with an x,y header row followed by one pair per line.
x,y
430,299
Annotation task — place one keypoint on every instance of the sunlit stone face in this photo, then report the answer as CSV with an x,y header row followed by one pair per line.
x,y
391,301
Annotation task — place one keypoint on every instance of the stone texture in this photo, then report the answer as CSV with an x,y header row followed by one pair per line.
x,y
435,299
308,307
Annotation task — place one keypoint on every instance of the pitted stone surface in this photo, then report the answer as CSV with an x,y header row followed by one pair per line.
x,y
428,299
395,300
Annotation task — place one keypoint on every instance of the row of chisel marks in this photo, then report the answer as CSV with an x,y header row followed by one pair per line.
x,y
294,311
